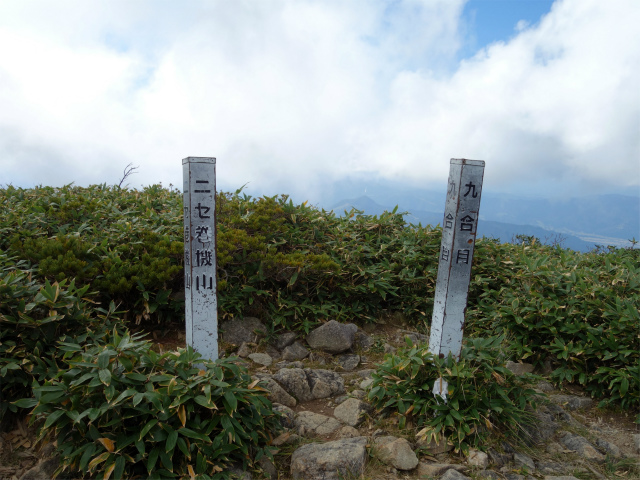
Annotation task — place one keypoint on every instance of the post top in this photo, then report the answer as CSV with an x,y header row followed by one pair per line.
x,y
198,160
464,161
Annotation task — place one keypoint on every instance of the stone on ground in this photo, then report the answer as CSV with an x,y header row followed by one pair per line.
x,y
364,341
294,381
332,337
295,351
261,359
519,368
331,460
522,460
437,469
287,416
571,402
352,411
284,340
324,383
315,423
478,458
582,446
239,330
348,432
277,394
608,447
348,362
452,474
396,452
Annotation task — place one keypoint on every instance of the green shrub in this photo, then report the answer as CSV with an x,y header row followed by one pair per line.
x,y
581,312
33,317
483,397
119,409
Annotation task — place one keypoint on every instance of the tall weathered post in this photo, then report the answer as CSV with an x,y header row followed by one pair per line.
x,y
201,302
456,255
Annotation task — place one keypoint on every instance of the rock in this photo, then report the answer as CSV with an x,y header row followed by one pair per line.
x,y
324,383
545,387
331,460
636,442
542,428
244,350
562,477
333,337
268,468
389,349
311,422
281,439
436,469
554,448
284,340
582,446
522,460
364,384
296,351
239,330
488,474
499,459
396,452
295,382
452,474
550,468
348,432
348,362
284,364
519,368
416,338
366,373
261,359
277,394
352,411
272,352
478,458
363,341
239,473
608,448
287,416
43,470
571,402
360,394
433,448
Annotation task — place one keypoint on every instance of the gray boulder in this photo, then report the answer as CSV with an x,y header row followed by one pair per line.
x,y
453,475
294,381
348,362
324,383
287,416
582,446
437,469
315,423
519,368
284,340
571,402
277,394
331,460
239,330
396,452
261,359
352,411
295,351
363,341
332,337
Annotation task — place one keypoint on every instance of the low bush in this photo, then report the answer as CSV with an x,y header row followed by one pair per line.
x,y
118,409
482,397
33,317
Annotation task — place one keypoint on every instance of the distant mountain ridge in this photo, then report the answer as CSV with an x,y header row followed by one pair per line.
x,y
580,224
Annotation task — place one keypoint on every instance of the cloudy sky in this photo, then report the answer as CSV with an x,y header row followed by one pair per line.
x,y
292,95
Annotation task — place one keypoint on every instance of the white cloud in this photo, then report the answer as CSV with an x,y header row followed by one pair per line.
x,y
289,93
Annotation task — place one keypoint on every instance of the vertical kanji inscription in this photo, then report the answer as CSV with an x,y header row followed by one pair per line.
x,y
201,302
454,267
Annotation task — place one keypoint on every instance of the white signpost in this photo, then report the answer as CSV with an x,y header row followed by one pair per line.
x,y
456,254
201,302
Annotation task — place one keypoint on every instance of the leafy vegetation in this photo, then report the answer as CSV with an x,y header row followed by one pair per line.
x,y
295,265
118,408
482,397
